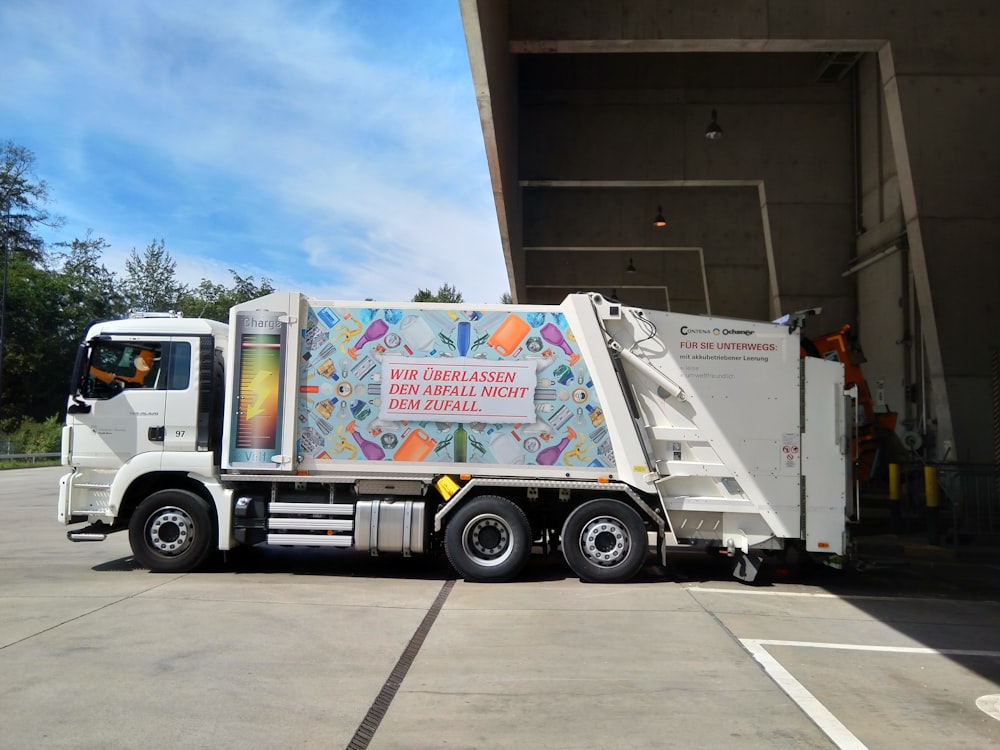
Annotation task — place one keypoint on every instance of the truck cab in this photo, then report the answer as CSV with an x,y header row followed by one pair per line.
x,y
146,395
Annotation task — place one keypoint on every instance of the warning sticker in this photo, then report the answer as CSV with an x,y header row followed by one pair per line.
x,y
790,450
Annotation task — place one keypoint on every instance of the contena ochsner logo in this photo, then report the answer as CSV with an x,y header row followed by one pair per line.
x,y
686,331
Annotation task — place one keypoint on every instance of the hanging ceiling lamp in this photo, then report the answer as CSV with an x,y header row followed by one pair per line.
x,y
714,131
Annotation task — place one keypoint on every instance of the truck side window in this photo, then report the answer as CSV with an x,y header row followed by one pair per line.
x,y
179,366
116,365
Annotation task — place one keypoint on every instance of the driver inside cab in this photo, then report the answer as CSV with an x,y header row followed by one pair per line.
x,y
133,375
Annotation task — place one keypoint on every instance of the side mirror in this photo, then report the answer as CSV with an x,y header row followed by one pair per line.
x,y
78,407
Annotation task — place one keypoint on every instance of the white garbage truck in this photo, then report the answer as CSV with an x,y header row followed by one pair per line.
x,y
486,432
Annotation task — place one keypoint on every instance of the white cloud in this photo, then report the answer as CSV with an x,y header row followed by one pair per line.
x,y
283,139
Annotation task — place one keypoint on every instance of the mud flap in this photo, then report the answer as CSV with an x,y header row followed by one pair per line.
x,y
747,567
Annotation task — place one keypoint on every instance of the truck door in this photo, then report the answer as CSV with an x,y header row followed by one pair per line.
x,y
119,410
180,383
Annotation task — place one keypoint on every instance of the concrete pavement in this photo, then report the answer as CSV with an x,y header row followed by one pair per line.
x,y
321,648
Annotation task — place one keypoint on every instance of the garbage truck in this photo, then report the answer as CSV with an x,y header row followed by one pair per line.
x,y
488,433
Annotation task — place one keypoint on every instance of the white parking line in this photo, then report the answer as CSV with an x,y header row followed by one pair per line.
x,y
840,735
887,649
808,594
758,592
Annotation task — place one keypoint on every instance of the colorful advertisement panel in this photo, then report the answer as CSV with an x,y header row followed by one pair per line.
x,y
256,436
447,385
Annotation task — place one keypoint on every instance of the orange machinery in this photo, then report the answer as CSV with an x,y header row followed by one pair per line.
x,y
874,429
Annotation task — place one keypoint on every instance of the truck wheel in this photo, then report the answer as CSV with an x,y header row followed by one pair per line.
x,y
604,541
171,532
488,540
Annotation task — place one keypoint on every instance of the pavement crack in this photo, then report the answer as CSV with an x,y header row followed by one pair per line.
x,y
88,613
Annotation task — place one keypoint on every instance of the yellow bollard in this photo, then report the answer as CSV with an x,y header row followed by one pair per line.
x,y
931,497
930,486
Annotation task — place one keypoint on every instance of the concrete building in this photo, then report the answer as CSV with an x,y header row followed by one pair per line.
x,y
857,170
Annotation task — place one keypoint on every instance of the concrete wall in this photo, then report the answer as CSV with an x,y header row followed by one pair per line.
x,y
578,125
716,267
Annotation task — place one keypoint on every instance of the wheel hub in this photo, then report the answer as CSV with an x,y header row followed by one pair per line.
x,y
605,541
171,531
487,539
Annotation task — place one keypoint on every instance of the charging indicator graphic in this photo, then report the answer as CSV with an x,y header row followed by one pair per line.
x,y
256,436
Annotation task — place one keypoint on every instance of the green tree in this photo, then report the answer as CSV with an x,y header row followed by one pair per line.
x,y
92,290
39,347
445,293
23,198
506,299
51,305
38,436
211,300
151,283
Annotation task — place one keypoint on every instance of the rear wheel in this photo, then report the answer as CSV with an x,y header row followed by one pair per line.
x,y
488,539
604,541
171,531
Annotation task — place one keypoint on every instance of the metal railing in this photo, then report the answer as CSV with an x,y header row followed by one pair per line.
x,y
956,503
31,457
970,500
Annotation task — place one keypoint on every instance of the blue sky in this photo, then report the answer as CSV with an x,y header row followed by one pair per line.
x,y
331,146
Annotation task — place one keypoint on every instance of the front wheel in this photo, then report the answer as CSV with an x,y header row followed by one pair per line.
x,y
171,532
604,541
488,540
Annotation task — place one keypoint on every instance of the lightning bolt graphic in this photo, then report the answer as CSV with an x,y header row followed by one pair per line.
x,y
262,388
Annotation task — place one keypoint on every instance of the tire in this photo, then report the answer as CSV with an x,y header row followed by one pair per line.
x,y
605,541
488,540
171,532
796,562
